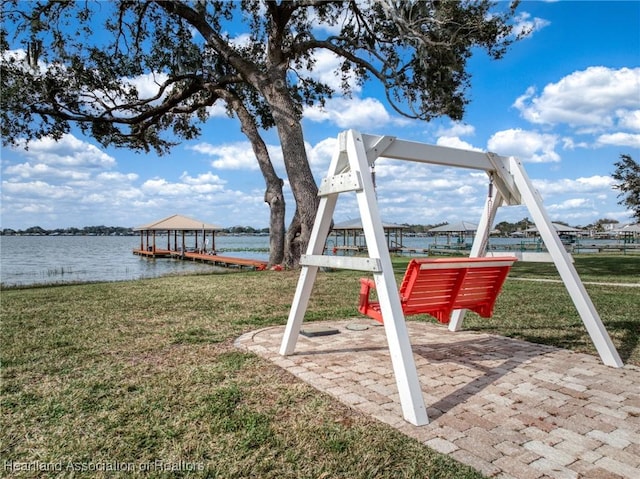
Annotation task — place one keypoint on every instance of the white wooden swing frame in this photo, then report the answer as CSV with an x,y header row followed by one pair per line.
x,y
349,171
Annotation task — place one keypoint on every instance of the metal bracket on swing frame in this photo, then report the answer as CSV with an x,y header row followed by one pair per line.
x,y
332,185
349,181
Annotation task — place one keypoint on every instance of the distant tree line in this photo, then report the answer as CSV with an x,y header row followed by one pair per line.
x,y
504,228
84,231
109,231
245,230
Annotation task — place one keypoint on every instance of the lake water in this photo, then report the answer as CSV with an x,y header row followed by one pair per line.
x,y
26,260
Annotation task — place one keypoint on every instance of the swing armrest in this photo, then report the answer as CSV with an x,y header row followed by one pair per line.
x,y
366,285
371,309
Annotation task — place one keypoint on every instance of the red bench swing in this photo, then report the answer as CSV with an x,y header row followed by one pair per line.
x,y
440,286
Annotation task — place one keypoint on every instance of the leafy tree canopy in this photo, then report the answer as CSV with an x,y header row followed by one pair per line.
x,y
628,175
87,63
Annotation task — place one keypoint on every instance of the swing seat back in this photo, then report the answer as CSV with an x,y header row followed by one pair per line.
x,y
440,286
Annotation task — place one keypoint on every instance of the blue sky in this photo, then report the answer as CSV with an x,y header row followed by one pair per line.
x,y
565,100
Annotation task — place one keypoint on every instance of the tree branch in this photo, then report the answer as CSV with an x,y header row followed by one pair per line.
x,y
214,40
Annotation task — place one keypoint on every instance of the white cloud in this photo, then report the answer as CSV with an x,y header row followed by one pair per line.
x,y
569,143
218,110
229,156
357,113
147,84
456,129
576,211
596,97
450,136
526,145
571,204
19,55
69,151
203,183
217,205
61,177
69,179
421,193
116,176
619,139
190,189
629,120
125,195
242,41
35,208
16,55
320,155
27,170
455,142
524,24
591,184
202,179
336,23
327,69
38,189
162,187
80,193
95,198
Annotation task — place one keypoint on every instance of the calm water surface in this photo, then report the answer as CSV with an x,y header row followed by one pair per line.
x,y
26,260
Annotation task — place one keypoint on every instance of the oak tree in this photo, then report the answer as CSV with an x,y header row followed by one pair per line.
x,y
84,59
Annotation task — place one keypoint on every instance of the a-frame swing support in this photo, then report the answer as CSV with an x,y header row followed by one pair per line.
x,y
349,171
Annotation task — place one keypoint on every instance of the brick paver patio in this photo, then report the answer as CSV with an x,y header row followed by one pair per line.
x,y
508,408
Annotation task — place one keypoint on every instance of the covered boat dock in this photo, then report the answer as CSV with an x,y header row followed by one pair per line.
x,y
187,239
349,237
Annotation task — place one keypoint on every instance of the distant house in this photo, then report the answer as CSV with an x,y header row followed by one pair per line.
x,y
629,233
608,227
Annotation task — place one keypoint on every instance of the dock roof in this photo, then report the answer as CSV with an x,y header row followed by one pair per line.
x,y
559,227
357,225
460,227
179,223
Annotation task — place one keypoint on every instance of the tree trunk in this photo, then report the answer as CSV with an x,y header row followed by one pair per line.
x,y
273,195
292,240
305,191
275,199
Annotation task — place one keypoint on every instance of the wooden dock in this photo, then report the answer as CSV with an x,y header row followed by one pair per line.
x,y
151,253
214,259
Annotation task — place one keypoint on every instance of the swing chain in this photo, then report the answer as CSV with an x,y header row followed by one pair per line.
x,y
490,215
372,169
490,186
485,240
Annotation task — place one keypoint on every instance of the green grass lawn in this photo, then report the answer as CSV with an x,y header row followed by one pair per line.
x,y
143,375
